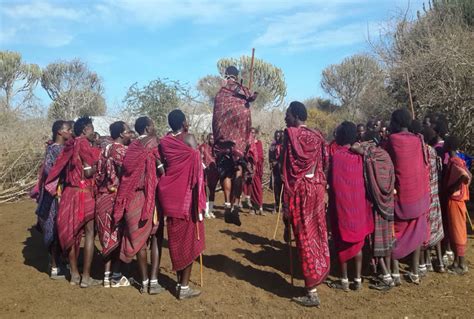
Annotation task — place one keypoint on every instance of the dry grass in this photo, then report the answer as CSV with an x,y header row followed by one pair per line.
x,y
21,154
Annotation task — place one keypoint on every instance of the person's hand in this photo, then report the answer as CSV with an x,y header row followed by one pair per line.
x,y
253,97
357,148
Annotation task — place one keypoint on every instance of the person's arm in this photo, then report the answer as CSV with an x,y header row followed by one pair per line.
x,y
462,180
190,140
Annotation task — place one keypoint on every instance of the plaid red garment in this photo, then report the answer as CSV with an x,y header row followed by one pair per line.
x,y
231,119
107,182
304,197
77,202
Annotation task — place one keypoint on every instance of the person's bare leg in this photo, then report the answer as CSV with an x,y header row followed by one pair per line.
x,y
439,256
396,272
415,261
226,184
237,186
186,292
155,258
143,267
358,271
422,269
88,249
75,276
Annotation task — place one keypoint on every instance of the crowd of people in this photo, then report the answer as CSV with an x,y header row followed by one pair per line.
x,y
391,191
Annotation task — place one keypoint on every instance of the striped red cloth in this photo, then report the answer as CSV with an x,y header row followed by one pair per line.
x,y
231,119
412,201
77,203
350,209
304,198
255,155
135,202
182,198
107,183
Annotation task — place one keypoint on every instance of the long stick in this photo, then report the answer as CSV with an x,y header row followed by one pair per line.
x,y
470,221
251,70
290,246
278,215
409,94
198,237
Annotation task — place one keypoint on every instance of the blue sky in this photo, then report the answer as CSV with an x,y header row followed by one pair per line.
x,y
128,41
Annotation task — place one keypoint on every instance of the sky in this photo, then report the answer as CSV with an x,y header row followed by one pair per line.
x,y
128,41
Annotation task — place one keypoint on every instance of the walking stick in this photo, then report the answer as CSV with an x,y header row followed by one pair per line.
x,y
198,237
251,69
279,212
290,246
470,221
409,94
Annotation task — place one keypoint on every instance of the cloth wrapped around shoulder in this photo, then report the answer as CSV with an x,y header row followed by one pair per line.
x,y
379,177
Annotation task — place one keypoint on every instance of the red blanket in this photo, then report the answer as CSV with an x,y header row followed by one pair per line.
x,y
304,197
138,173
231,119
183,174
77,202
255,155
351,212
107,183
305,149
410,160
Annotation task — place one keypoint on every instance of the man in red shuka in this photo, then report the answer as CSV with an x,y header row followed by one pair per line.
x,y
304,163
210,173
231,128
182,198
77,207
135,205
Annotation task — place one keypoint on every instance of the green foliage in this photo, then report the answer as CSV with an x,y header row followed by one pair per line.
x,y
320,103
156,100
268,80
17,81
436,53
323,121
74,90
209,86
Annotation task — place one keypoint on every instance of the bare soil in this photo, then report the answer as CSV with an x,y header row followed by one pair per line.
x,y
245,275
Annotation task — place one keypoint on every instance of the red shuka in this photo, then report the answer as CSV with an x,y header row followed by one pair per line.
x,y
255,157
304,196
182,198
231,119
351,212
77,203
135,200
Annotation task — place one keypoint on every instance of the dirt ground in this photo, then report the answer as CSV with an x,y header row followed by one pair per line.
x,y
244,276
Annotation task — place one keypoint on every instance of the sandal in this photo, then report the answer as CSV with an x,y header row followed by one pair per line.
x,y
90,282
119,282
342,285
412,278
310,300
75,280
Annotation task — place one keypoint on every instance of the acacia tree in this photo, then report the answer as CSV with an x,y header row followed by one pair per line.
x,y
17,81
268,80
74,90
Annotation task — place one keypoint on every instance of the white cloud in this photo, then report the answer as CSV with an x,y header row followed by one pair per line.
x,y
41,10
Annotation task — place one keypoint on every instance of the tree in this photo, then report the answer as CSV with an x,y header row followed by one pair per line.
x,y
74,90
351,79
17,81
322,104
435,53
268,80
156,100
208,86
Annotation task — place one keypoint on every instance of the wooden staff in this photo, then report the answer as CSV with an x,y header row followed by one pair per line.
x,y
409,94
278,215
251,69
196,198
470,221
290,247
